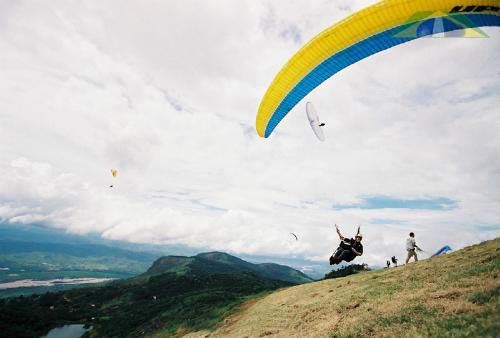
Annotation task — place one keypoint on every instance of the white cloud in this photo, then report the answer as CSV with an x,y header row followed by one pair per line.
x,y
167,92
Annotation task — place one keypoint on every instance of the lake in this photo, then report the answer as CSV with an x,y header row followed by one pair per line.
x,y
67,331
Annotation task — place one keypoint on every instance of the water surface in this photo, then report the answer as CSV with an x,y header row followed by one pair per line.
x,y
26,283
67,331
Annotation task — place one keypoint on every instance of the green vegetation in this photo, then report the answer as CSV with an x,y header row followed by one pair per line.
x,y
455,295
41,261
187,297
346,271
485,297
224,264
37,260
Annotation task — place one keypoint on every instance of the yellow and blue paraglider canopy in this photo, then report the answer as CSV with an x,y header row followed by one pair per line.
x,y
375,28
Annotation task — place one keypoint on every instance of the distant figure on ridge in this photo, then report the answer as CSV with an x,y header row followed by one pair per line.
x,y
388,264
410,247
394,261
348,249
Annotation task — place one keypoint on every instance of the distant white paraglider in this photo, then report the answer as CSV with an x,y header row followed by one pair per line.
x,y
313,118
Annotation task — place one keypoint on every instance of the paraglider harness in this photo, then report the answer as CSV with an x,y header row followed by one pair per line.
x,y
339,256
344,251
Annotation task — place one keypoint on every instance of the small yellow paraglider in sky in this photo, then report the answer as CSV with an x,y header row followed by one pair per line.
x,y
114,173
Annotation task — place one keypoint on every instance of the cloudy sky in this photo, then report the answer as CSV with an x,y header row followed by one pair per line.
x,y
167,92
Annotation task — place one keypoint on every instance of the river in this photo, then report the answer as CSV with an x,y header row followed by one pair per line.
x,y
26,283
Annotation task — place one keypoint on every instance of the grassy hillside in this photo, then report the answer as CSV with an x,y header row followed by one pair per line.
x,y
456,295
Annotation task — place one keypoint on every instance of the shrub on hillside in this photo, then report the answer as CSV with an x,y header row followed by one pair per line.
x,y
346,271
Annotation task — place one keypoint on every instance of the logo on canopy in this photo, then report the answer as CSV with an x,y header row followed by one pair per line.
x,y
445,25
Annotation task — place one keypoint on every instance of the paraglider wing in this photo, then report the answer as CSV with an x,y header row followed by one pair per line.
x,y
313,118
294,235
442,251
375,28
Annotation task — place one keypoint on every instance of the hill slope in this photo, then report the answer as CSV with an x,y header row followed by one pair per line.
x,y
453,295
219,262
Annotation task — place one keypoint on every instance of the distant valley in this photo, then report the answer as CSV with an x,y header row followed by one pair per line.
x,y
30,252
21,260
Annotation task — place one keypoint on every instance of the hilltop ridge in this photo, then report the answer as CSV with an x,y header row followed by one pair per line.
x,y
225,263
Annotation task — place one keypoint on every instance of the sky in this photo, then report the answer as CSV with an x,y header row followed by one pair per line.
x,y
167,92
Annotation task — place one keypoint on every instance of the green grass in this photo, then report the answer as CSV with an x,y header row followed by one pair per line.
x,y
456,295
482,324
209,320
485,297
451,296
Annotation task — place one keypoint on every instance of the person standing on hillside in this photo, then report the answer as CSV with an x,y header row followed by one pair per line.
x,y
411,246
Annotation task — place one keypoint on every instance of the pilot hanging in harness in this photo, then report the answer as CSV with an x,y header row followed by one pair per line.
x,y
348,249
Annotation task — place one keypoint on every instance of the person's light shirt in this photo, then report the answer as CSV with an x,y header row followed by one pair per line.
x,y
410,244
